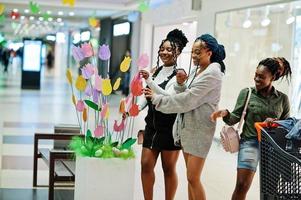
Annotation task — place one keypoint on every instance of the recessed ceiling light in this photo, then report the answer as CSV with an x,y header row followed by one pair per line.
x,y
26,11
71,13
31,18
59,20
22,17
49,12
41,18
60,13
15,10
50,19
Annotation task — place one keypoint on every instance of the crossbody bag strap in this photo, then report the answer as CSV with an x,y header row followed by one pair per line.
x,y
244,112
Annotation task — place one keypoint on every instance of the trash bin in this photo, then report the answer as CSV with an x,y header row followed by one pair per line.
x,y
280,170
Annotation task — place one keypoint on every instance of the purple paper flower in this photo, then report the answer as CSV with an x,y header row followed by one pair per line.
x,y
95,96
87,50
77,53
87,71
104,52
88,91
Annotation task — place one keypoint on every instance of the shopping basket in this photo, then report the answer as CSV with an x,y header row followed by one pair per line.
x,y
280,170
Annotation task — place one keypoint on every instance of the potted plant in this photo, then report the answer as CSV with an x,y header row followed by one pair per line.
x,y
105,155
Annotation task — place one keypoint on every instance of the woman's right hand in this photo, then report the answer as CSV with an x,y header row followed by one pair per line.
x,y
219,113
144,74
181,76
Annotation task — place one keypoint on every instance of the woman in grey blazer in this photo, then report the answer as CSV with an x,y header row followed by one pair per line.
x,y
197,97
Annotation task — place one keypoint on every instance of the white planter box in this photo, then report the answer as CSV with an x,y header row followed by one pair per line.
x,y
107,179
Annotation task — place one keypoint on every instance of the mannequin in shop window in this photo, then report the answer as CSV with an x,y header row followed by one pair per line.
x,y
158,138
266,104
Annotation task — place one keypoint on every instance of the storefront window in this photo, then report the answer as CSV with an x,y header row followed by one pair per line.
x,y
252,34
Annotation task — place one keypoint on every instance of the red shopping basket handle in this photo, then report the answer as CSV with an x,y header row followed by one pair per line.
x,y
261,125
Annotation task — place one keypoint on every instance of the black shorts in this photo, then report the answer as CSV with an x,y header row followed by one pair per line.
x,y
159,139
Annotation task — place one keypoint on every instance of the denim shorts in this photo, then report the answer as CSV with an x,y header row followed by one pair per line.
x,y
248,155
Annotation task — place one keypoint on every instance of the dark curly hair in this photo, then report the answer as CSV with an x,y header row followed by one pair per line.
x,y
272,65
287,72
177,39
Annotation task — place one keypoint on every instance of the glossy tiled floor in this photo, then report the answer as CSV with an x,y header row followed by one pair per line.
x,y
24,112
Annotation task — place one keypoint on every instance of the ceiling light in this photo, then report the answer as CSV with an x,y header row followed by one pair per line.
x,y
22,17
62,24
50,19
247,23
290,20
26,11
59,20
60,13
49,12
265,22
31,18
15,10
41,18
71,13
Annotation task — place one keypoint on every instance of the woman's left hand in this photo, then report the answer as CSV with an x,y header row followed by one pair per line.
x,y
270,121
148,93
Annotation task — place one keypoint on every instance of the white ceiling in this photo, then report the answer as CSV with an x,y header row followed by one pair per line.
x,y
83,9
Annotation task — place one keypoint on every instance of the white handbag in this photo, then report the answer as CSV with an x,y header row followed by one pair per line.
x,y
229,135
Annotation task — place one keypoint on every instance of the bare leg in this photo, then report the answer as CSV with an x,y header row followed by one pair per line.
x,y
244,180
194,167
148,161
169,160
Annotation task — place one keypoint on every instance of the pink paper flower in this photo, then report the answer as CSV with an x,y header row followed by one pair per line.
x,y
143,61
98,132
87,50
80,106
98,83
120,127
104,52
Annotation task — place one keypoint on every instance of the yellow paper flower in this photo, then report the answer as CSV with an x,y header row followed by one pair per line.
x,y
93,22
125,64
81,83
117,83
2,8
70,2
106,87
73,99
69,76
85,115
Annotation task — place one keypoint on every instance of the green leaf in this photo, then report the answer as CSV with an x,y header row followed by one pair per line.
x,y
89,134
114,144
91,104
128,143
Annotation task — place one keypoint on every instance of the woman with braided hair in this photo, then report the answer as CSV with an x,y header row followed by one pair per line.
x,y
158,139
